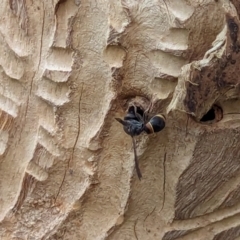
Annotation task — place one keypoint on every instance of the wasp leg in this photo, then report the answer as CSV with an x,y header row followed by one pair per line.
x,y
136,114
149,108
146,112
136,160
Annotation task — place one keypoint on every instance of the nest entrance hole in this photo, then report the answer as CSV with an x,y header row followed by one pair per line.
x,y
215,114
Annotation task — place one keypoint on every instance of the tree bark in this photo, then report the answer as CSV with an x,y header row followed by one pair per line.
x,y
68,68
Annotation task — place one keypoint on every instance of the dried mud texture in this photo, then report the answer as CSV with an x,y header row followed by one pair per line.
x,y
68,68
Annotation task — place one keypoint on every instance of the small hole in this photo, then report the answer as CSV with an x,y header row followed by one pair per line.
x,y
209,116
214,114
140,111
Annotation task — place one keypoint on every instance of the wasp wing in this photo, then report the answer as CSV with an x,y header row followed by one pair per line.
x,y
136,160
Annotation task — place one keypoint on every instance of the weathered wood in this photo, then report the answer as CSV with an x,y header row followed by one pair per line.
x,y
68,68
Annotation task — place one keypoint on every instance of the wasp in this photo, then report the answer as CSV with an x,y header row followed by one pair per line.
x,y
136,122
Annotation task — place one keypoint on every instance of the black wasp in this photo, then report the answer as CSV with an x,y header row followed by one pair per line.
x,y
136,122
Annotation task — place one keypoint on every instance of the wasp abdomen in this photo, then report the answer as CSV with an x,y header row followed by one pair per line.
x,y
156,124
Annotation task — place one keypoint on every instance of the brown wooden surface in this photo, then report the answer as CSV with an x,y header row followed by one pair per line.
x,y
68,68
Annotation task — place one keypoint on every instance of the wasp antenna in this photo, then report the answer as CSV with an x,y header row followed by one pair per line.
x,y
121,121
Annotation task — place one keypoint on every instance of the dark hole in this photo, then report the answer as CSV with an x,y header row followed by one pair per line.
x,y
209,116
140,111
